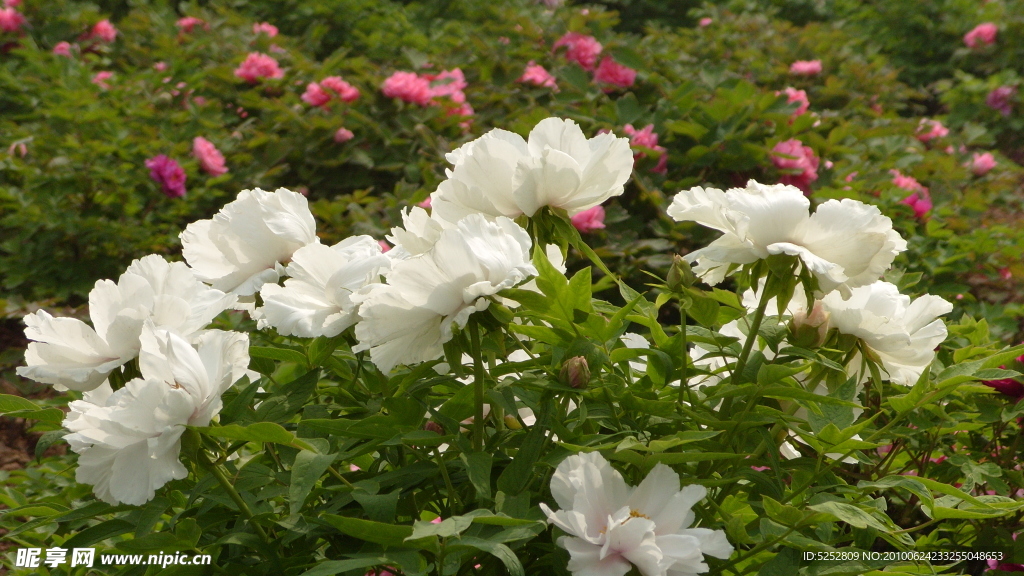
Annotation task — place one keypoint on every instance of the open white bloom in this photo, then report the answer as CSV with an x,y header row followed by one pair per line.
x,y
129,441
317,298
501,174
612,525
409,318
418,233
845,243
902,333
243,246
70,354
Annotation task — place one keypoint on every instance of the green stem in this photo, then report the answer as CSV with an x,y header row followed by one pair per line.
x,y
235,496
478,387
683,382
755,326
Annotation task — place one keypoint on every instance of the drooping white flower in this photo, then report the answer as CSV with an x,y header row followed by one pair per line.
x,y
128,441
317,298
902,333
244,244
409,318
501,174
845,243
612,526
70,354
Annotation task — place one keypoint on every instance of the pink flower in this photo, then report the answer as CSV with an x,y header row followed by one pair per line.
x,y
12,3
920,202
345,91
589,220
795,95
315,95
448,83
1005,273
906,182
409,87
343,135
265,28
504,40
704,22
18,147
160,66
536,74
166,172
805,67
210,159
256,66
188,23
611,72
581,49
799,163
425,204
981,34
105,31
436,520
850,176
100,79
981,163
1001,98
934,128
62,49
11,20
648,139
384,247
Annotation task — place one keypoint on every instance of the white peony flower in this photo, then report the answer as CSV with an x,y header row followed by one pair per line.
x,y
419,232
72,355
501,174
612,526
845,243
902,333
317,298
243,246
128,441
409,318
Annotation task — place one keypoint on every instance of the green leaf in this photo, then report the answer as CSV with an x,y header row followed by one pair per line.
x,y
282,354
322,347
331,567
446,528
850,514
306,471
376,532
99,533
517,475
628,108
258,432
9,403
499,551
478,468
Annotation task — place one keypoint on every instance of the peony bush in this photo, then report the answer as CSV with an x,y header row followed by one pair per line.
x,y
524,288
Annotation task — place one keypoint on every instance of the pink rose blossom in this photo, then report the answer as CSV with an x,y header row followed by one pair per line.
x,y
704,22
589,220
166,172
795,95
448,83
188,23
981,163
100,79
257,66
315,95
345,91
536,74
62,49
1001,98
104,31
384,247
264,28
792,156
981,34
648,139
581,49
409,87
11,20
906,182
611,72
930,129
160,66
805,67
210,159
920,202
343,135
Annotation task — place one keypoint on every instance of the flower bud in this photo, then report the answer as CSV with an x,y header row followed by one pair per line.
x,y
809,330
434,427
680,275
575,372
511,423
